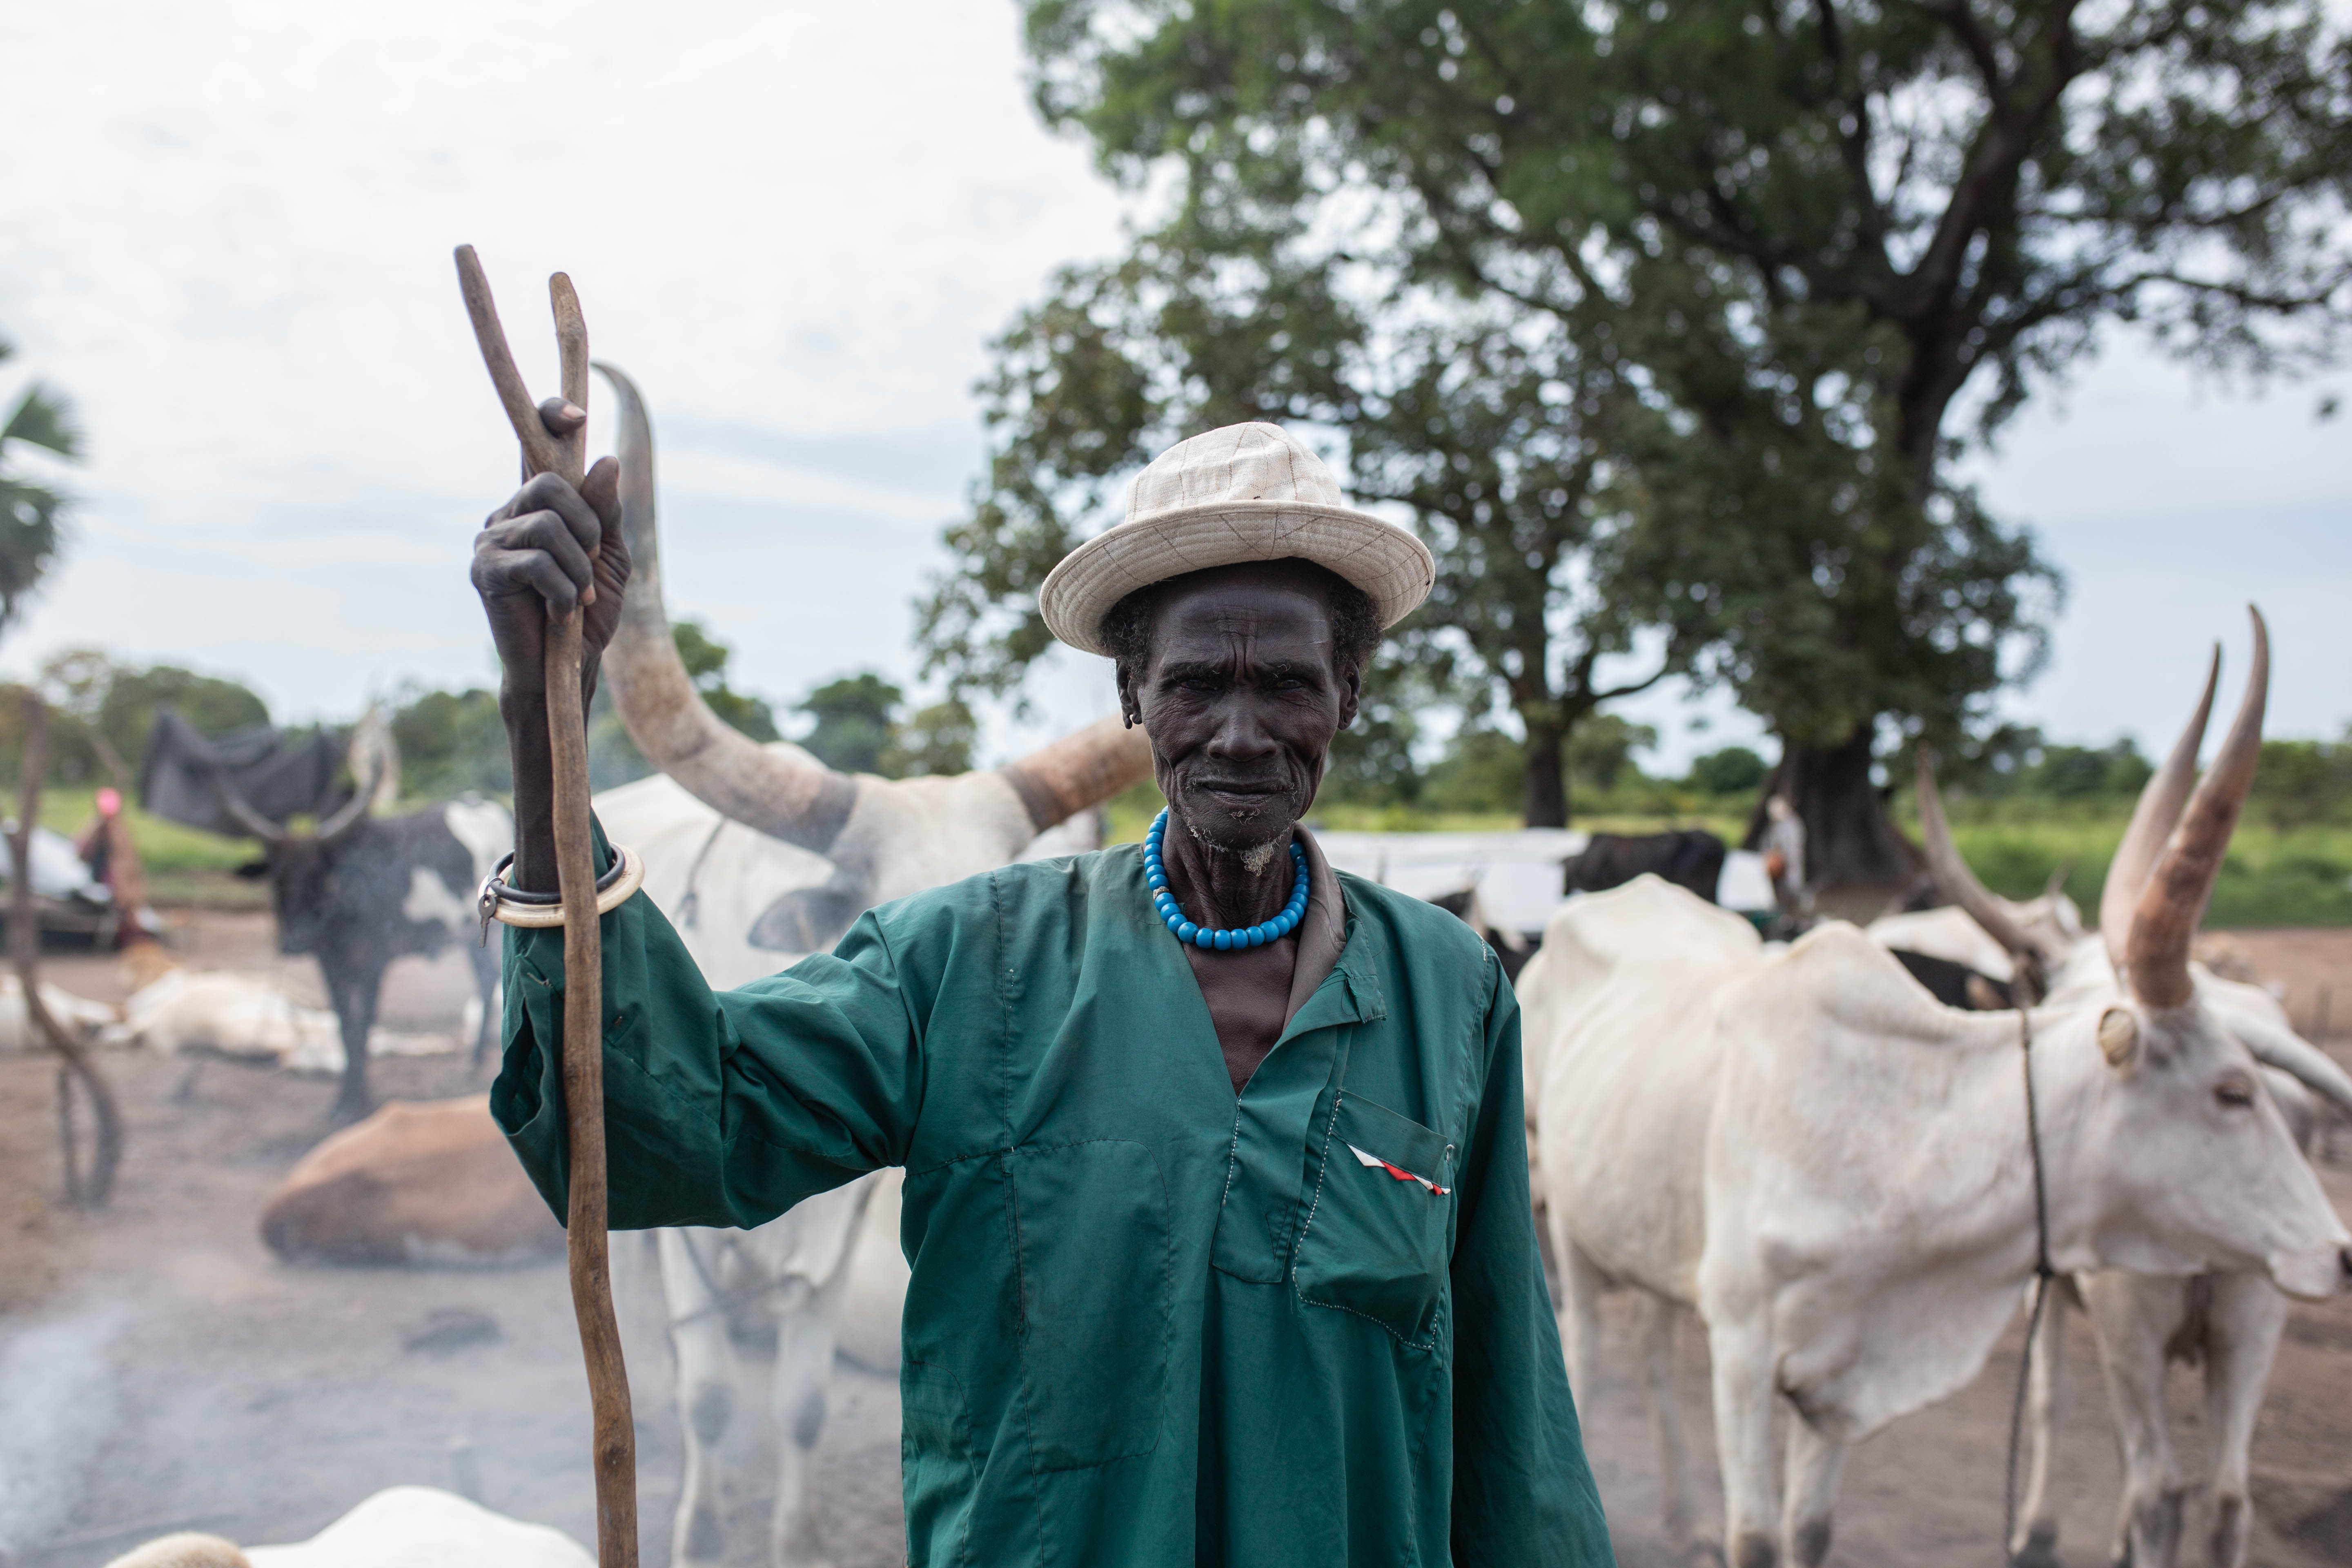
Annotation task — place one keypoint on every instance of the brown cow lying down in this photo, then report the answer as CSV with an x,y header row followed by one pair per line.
x,y
404,1527
419,1182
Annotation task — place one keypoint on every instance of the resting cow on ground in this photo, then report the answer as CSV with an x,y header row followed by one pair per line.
x,y
430,1182
1834,1171
403,1527
1687,856
1216,1202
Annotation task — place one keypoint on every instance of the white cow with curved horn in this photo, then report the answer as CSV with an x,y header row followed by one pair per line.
x,y
2231,1320
759,855
1836,1172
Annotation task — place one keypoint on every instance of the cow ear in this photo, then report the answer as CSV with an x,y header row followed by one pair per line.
x,y
2119,1037
253,870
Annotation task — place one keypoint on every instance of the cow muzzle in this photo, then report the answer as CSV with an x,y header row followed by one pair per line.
x,y
2314,1276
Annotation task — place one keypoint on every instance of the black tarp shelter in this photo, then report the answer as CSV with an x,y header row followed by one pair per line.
x,y
279,775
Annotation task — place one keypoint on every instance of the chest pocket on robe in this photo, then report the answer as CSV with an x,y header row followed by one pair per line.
x,y
1378,1232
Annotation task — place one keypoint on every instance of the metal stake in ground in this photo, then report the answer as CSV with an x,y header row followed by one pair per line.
x,y
575,871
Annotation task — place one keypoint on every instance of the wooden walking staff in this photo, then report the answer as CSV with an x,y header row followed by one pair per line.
x,y
583,1036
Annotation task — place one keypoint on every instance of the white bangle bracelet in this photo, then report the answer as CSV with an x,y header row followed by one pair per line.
x,y
629,874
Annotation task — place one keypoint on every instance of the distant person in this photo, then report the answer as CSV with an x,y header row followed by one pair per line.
x,y
97,845
1784,860
1216,1192
106,849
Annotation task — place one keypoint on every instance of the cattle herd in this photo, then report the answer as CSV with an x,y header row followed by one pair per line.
x,y
1851,1157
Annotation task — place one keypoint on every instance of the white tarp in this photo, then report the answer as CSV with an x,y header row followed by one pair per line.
x,y
1743,885
58,871
1517,874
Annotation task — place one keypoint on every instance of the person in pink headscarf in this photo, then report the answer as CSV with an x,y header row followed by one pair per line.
x,y
105,849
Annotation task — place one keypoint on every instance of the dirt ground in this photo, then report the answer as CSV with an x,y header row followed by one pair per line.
x,y
160,1369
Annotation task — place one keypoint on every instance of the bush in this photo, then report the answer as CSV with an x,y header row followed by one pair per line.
x,y
1481,771
100,713
2302,783
451,741
1733,770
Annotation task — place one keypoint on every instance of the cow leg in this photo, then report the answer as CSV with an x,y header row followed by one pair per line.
x,y
1582,1285
706,1390
2133,1316
2247,1317
1680,1489
355,996
485,962
2036,1542
805,1345
1743,1399
1814,1464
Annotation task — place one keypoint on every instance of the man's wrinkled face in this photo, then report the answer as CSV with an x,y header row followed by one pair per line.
x,y
1241,697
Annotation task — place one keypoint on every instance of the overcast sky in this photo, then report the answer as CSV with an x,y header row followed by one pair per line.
x,y
225,232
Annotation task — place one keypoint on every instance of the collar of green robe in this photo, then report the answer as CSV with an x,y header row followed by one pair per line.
x,y
1322,931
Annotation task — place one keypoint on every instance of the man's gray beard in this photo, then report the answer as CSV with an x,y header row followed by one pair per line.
x,y
1254,858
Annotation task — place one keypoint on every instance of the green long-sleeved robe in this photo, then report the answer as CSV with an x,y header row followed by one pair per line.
x,y
1147,1324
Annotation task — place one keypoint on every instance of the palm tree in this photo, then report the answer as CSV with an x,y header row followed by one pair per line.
x,y
30,512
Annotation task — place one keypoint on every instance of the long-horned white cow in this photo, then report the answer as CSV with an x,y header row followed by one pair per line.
x,y
2232,1321
759,855
1838,1174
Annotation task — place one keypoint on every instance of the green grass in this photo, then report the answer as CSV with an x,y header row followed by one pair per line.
x,y
165,848
185,866
2299,878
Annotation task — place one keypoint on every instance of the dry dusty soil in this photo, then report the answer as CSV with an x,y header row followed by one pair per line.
x,y
160,1369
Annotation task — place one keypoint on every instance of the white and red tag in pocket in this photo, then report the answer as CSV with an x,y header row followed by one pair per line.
x,y
1373,1162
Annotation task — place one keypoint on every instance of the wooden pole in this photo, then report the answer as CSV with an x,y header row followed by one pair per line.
x,y
586,1242
93,1190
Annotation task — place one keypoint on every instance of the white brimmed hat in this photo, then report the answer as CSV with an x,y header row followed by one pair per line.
x,y
1247,493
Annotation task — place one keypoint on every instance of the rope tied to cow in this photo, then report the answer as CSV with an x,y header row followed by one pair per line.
x,y
2043,1275
762,1282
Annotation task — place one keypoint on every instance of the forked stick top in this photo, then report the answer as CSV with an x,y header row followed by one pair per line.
x,y
572,347
542,453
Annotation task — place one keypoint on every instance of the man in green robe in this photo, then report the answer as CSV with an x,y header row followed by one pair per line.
x,y
1216,1182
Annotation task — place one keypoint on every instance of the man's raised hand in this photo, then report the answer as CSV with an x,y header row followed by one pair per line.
x,y
550,546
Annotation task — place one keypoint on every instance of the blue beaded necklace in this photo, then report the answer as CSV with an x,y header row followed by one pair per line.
x,y
1155,873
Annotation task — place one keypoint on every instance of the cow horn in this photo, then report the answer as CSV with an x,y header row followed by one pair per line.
x,y
785,794
1058,781
2283,1048
238,806
2155,955
353,811
1959,884
2152,821
782,796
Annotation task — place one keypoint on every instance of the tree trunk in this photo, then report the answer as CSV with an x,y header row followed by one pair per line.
x,y
1849,842
1545,800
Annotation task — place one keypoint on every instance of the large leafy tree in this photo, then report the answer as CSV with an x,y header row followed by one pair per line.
x,y
1805,253
30,511
1443,401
